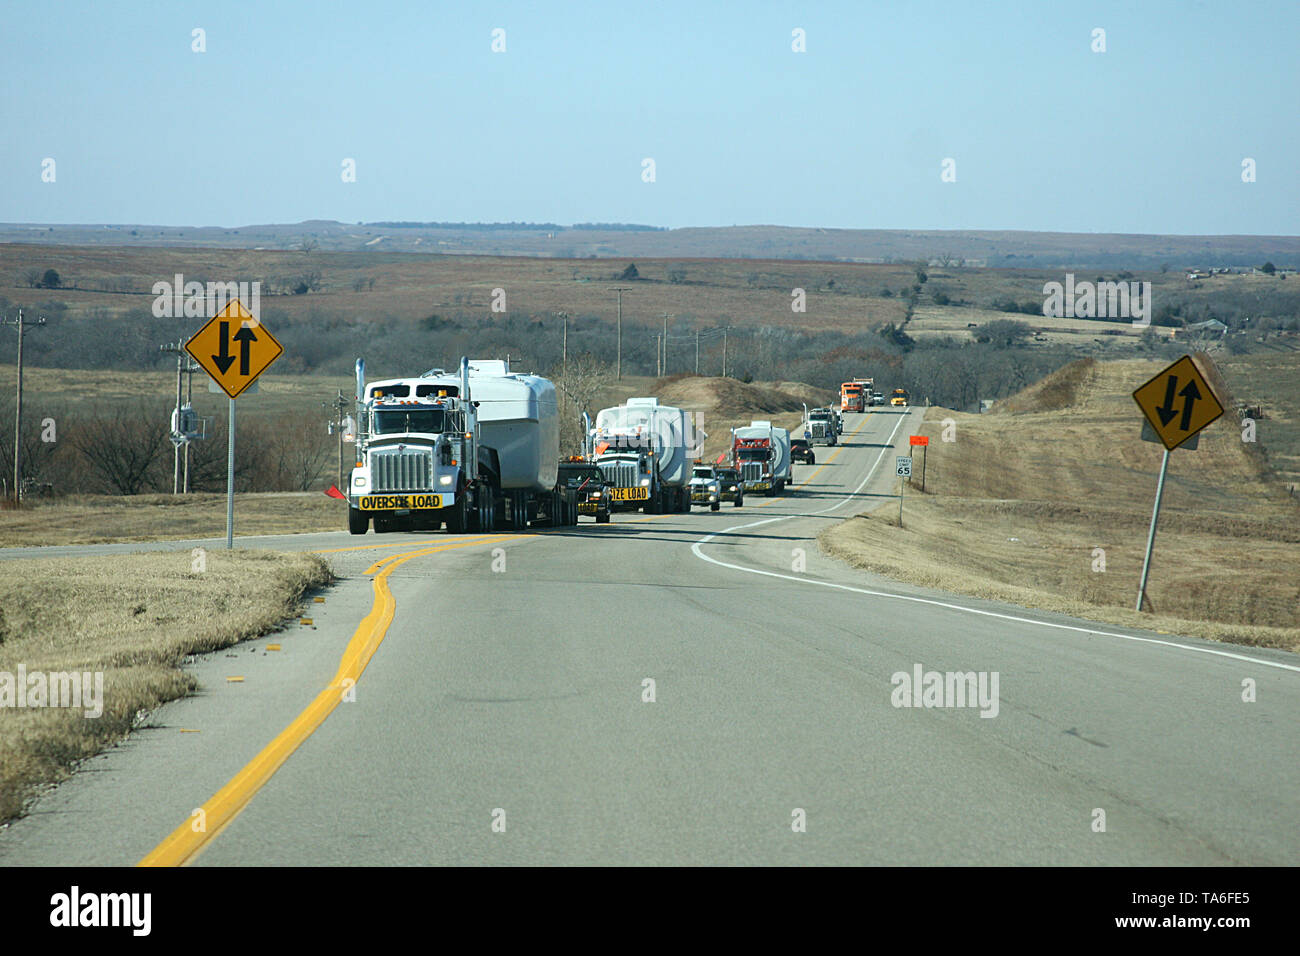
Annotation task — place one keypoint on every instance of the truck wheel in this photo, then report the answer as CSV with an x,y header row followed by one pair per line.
x,y
573,509
358,521
715,506
458,516
740,501
519,511
602,518
770,492
812,459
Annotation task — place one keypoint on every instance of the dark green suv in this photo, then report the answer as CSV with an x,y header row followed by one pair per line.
x,y
589,488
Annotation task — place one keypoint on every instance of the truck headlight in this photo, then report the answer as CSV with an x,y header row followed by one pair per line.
x,y
359,481
645,482
444,479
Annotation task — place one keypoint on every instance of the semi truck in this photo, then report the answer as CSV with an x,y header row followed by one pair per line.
x,y
821,427
852,398
645,451
761,453
465,449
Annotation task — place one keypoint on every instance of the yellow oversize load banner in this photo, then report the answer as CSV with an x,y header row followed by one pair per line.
x,y
398,502
629,494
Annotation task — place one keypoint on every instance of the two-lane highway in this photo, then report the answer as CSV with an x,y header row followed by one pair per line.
x,y
703,688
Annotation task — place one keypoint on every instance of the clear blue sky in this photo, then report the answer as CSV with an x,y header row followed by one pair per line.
x,y
1146,137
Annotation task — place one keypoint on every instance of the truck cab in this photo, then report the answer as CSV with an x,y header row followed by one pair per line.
x,y
416,457
586,482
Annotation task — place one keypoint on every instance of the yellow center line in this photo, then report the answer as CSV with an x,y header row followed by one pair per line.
x,y
183,843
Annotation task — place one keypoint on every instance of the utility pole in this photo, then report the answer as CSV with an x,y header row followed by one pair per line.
x,y
18,407
618,364
177,433
724,352
659,357
665,341
697,351
338,425
564,349
191,367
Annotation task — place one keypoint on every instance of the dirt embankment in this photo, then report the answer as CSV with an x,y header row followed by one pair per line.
x,y
1046,502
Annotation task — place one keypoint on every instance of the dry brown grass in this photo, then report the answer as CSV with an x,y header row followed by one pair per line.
x,y
135,618
96,519
1015,506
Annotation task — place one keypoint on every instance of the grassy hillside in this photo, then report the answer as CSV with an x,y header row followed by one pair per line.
x,y
1015,506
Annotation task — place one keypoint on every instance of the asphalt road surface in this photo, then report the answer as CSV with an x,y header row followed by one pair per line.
x,y
505,718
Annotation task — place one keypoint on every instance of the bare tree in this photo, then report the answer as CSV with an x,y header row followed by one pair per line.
x,y
577,384
122,447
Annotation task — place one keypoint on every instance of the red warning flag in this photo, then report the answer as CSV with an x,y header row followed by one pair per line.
x,y
721,458
602,448
335,493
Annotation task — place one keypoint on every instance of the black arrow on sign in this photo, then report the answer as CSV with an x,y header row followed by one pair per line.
x,y
245,338
1191,393
1167,411
224,360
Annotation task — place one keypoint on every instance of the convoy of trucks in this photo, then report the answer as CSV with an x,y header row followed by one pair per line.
x,y
477,449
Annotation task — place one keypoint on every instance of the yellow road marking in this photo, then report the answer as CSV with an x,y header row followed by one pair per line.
x,y
182,844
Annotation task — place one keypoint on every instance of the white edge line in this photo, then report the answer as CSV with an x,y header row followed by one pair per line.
x,y
695,549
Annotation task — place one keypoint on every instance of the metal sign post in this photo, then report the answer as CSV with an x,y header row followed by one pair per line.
x,y
903,469
1174,425
230,480
234,348
1151,537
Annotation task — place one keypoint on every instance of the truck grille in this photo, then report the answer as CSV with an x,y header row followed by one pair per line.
x,y
405,469
751,470
620,474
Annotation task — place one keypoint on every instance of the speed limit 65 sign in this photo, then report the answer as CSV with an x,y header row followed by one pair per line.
x,y
904,466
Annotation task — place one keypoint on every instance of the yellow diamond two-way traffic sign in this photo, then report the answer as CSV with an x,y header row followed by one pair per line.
x,y
1178,402
234,348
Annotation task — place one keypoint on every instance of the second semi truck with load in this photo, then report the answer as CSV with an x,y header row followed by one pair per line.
x,y
645,451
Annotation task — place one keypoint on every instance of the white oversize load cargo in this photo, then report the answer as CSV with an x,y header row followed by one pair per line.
x,y
519,418
670,429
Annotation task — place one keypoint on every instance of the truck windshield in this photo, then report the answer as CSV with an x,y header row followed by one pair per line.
x,y
577,477
395,421
702,473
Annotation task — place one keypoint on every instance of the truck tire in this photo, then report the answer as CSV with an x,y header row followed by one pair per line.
x,y
458,516
770,491
519,510
715,506
740,501
358,521
572,501
602,518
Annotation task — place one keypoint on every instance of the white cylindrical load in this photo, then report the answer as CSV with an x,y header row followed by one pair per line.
x,y
781,458
518,417
671,428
